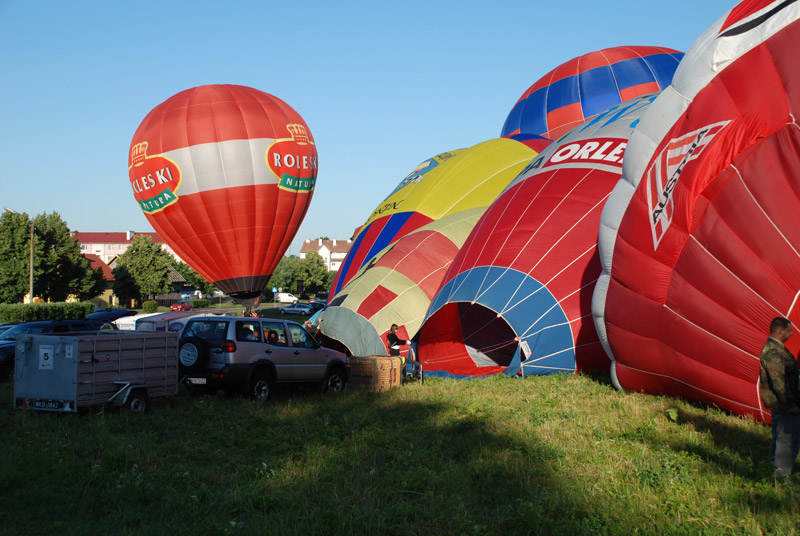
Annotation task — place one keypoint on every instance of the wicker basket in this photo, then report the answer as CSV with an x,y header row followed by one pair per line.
x,y
379,373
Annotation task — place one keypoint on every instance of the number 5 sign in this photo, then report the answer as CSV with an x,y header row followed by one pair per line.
x,y
46,357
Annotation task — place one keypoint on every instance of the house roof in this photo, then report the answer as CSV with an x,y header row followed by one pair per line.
x,y
334,246
113,238
98,264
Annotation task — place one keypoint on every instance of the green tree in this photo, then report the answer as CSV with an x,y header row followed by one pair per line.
x,y
143,270
193,278
312,271
14,256
283,276
59,269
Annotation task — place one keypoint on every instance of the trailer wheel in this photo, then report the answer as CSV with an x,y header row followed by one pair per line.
x,y
193,354
138,402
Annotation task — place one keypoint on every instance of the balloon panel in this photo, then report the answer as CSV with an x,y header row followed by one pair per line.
x,y
225,174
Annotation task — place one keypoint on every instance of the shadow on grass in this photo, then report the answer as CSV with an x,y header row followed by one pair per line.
x,y
357,463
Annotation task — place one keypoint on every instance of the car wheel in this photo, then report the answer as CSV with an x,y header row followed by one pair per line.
x,y
260,386
137,402
193,354
283,312
334,382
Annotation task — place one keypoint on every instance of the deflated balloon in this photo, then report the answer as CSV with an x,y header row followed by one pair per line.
x,y
587,85
225,174
700,239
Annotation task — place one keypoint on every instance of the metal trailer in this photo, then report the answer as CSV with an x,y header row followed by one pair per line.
x,y
65,372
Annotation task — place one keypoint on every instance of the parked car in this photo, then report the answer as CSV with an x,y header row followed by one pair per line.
x,y
181,305
110,314
316,306
250,355
314,299
285,297
297,309
8,339
7,325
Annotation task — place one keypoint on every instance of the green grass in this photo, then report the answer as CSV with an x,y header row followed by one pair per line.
x,y
544,455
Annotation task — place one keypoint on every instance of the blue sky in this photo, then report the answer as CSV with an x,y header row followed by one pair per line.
x,y
381,86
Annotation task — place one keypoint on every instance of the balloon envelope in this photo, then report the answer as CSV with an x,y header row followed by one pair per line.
x,y
225,174
518,294
699,240
587,85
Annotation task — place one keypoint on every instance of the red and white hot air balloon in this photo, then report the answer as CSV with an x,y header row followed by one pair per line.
x,y
225,175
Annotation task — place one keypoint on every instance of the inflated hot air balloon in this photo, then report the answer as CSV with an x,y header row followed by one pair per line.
x,y
700,240
396,286
517,297
445,184
585,86
225,174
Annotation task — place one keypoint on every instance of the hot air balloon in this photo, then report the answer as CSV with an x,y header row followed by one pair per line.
x,y
587,85
225,174
517,297
396,286
447,183
699,241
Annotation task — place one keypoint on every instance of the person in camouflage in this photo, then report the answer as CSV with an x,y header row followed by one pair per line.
x,y
779,393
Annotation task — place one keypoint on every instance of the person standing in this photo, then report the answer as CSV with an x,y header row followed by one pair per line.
x,y
395,343
779,392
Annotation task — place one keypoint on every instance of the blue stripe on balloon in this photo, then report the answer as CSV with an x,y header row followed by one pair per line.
x,y
663,65
526,305
348,260
562,93
387,234
598,90
632,72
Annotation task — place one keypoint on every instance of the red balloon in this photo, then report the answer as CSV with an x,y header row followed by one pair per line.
x,y
225,174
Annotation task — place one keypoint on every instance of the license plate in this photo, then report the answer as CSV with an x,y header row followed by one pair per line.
x,y
198,381
48,404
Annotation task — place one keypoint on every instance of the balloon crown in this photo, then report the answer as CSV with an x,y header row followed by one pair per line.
x,y
298,132
138,153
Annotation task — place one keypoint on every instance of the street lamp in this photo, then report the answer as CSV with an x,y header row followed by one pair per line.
x,y
30,281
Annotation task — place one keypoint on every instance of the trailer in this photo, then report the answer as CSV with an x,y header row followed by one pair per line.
x,y
66,372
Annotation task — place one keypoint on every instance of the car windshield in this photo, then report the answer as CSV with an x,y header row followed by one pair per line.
x,y
20,329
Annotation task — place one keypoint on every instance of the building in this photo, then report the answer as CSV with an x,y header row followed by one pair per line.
x,y
107,246
107,298
332,252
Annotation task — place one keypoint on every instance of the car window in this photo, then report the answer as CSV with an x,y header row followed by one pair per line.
x,y
300,337
248,330
206,329
275,333
61,328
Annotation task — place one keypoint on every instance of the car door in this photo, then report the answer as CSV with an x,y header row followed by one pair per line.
x,y
310,364
277,350
249,342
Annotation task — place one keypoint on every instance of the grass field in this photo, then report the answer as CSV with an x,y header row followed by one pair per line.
x,y
544,455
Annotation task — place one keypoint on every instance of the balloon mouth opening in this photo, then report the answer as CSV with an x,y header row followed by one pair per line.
x,y
470,334
246,299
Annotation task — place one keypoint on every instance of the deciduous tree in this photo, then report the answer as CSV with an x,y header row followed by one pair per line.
x,y
143,270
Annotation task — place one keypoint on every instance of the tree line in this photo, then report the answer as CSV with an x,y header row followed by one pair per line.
x,y
142,271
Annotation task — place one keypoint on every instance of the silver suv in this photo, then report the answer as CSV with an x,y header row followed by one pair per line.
x,y
250,355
